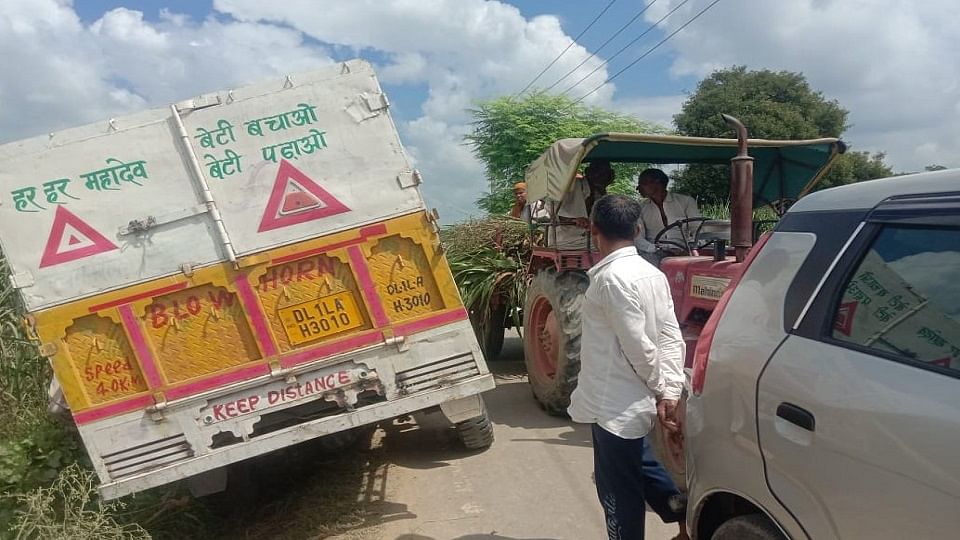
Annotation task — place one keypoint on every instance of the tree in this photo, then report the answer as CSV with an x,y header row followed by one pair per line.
x,y
773,105
510,133
856,167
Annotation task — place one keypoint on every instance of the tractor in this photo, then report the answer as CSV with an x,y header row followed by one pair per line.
x,y
710,258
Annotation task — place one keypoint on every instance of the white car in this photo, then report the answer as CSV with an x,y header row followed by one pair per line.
x,y
825,395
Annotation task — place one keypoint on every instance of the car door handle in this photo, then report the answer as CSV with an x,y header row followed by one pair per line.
x,y
797,416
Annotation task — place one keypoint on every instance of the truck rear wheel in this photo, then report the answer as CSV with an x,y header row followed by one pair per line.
x,y
476,433
551,341
341,440
493,335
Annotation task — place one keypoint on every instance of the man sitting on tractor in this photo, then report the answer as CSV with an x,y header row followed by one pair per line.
x,y
576,206
660,208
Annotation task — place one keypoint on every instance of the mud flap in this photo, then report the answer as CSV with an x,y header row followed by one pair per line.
x,y
208,482
462,409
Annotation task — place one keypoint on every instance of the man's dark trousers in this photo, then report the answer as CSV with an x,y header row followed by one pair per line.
x,y
624,470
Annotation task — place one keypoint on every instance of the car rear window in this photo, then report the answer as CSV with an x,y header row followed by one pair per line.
x,y
904,297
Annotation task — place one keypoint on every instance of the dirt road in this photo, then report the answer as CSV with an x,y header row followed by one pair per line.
x,y
533,484
412,480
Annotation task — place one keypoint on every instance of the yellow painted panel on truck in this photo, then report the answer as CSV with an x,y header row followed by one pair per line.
x,y
183,335
303,280
103,360
404,278
198,331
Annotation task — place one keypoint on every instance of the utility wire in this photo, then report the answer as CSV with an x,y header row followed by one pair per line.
x,y
625,47
655,47
605,43
576,39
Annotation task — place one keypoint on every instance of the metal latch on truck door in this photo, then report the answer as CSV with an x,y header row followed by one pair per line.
x,y
143,225
156,410
22,280
399,341
366,106
409,179
434,218
199,102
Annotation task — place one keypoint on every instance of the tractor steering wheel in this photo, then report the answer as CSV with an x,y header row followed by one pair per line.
x,y
680,224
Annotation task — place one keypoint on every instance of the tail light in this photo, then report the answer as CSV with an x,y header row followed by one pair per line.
x,y
701,354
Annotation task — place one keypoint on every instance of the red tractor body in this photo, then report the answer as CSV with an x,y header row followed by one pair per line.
x,y
787,170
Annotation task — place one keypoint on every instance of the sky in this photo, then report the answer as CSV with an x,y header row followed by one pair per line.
x,y
891,63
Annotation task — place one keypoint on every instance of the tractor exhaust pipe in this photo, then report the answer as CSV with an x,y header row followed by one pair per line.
x,y
741,192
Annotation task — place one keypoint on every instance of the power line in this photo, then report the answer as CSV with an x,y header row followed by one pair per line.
x,y
625,47
584,31
605,43
655,47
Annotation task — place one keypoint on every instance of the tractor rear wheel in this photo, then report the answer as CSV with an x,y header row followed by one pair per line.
x,y
551,341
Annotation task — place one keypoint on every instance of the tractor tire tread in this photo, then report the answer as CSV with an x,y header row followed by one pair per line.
x,y
565,292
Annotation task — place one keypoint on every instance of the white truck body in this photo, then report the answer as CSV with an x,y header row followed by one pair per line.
x,y
233,274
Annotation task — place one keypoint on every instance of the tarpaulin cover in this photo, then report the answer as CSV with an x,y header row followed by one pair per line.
x,y
782,169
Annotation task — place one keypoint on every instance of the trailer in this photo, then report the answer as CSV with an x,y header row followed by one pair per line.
x,y
236,273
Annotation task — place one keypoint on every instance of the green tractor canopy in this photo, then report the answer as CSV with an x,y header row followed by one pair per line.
x,y
783,170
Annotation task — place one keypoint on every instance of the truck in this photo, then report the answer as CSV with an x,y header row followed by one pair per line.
x,y
234,274
711,258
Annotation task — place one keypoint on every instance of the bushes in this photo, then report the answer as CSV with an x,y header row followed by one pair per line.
x,y
33,447
33,451
69,509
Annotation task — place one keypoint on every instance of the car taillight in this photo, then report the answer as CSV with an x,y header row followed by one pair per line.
x,y
701,354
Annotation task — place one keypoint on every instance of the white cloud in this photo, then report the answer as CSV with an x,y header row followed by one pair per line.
x,y
453,178
890,62
70,73
405,68
462,50
656,109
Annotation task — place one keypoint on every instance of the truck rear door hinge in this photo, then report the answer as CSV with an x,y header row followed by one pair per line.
x,y
400,341
160,405
199,102
408,179
22,280
367,106
433,217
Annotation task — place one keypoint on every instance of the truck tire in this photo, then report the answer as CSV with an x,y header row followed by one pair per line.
x,y
339,441
551,341
748,527
493,338
476,433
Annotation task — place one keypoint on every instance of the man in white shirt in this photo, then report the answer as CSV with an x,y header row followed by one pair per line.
x,y
579,200
631,363
660,207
